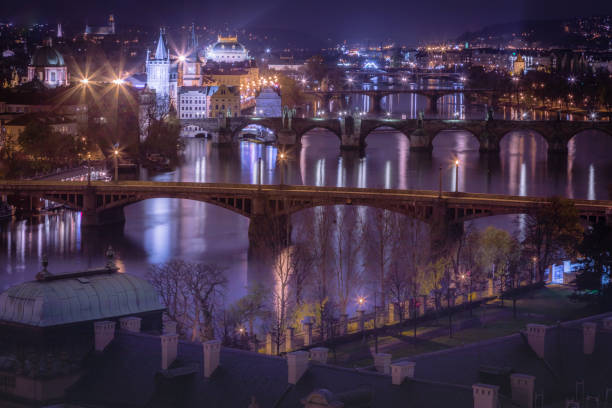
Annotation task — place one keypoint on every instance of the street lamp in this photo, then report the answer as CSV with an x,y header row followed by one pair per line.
x,y
88,168
116,158
281,162
456,176
440,187
84,81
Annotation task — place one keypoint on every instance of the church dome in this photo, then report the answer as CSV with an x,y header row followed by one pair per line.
x,y
228,46
47,56
54,300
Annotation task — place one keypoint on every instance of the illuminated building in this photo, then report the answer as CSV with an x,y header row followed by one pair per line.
x,y
102,30
227,50
48,66
518,67
268,103
162,74
224,102
190,64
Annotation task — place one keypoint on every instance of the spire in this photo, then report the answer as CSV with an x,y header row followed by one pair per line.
x,y
161,52
193,41
59,30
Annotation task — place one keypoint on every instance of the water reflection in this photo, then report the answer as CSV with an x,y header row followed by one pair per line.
x,y
157,230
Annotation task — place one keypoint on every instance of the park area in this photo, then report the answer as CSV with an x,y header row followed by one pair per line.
x,y
546,305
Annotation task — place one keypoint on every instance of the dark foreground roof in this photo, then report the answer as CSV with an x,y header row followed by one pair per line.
x,y
128,374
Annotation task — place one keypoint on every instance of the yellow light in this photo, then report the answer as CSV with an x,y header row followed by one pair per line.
x,y
84,81
116,152
456,162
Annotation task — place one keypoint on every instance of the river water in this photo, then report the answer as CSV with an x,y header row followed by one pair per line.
x,y
158,230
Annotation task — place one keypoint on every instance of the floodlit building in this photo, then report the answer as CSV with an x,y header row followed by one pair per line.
x,y
227,50
162,74
224,102
47,66
268,103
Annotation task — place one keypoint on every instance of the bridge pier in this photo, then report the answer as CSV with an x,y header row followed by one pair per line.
x,y
223,136
92,217
286,137
432,103
376,104
557,146
489,142
420,141
444,231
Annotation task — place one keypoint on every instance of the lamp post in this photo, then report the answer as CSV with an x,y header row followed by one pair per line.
x,y
440,187
259,171
116,158
281,162
456,176
88,168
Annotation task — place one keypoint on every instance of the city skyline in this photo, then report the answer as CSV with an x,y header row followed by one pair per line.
x,y
435,21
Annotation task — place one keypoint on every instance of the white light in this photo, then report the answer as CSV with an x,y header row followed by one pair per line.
x,y
84,81
181,58
118,81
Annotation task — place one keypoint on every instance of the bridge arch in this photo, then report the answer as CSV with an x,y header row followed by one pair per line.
x,y
265,123
307,128
398,127
473,138
531,133
583,131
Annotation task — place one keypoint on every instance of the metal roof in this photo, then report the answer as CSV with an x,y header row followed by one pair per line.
x,y
77,298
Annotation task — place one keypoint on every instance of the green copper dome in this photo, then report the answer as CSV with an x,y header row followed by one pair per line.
x,y
47,56
54,300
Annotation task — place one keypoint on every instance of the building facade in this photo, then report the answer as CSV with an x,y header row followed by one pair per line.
x,y
224,102
162,74
227,50
47,65
268,103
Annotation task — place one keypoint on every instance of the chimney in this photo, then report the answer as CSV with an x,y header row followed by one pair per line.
x,y
212,354
382,362
297,364
536,336
130,323
169,349
104,332
485,395
402,370
589,331
319,354
607,323
169,327
523,386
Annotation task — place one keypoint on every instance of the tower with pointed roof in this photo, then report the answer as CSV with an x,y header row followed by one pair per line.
x,y
190,65
161,74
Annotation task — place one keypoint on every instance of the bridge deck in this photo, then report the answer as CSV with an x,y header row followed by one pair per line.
x,y
185,189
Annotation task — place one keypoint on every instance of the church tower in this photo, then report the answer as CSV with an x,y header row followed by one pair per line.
x,y
158,72
190,64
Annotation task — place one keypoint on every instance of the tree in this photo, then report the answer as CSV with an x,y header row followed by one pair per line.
x,y
382,232
469,261
551,230
596,250
348,244
190,292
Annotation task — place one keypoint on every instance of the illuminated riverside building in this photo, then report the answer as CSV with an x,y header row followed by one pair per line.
x,y
162,74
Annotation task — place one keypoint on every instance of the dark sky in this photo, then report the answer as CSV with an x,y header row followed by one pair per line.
x,y
407,21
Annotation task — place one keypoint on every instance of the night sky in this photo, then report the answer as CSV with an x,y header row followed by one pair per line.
x,y
410,22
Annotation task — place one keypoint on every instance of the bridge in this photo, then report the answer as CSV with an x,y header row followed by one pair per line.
x,y
376,96
353,131
270,206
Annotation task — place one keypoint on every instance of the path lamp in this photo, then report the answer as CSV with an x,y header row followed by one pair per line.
x,y
88,168
281,163
116,159
456,176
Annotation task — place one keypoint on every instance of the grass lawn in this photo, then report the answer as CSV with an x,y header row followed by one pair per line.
x,y
547,306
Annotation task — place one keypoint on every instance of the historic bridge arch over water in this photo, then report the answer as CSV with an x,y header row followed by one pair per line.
x,y
266,205
353,132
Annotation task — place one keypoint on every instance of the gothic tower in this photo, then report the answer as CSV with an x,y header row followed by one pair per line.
x,y
158,72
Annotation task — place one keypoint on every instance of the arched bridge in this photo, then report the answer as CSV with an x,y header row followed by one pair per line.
x,y
376,95
353,131
103,202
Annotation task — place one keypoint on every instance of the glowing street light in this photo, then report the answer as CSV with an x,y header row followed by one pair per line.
x,y
84,81
116,159
456,176
118,81
181,58
281,163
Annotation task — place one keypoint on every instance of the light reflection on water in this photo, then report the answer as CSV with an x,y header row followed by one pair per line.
x,y
161,229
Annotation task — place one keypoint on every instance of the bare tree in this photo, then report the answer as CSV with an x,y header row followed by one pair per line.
x,y
382,234
348,244
190,292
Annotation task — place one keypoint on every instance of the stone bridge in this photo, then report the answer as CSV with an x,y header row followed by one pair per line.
x,y
269,207
376,95
353,131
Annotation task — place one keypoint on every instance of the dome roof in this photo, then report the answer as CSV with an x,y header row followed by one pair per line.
x,y
228,46
75,298
47,56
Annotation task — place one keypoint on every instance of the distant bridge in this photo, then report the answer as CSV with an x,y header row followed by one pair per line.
x,y
376,96
353,131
